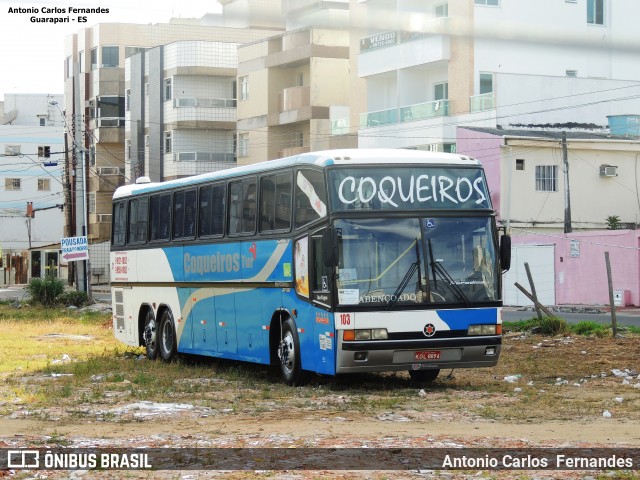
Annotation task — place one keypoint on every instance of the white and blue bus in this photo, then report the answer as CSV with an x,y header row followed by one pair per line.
x,y
331,262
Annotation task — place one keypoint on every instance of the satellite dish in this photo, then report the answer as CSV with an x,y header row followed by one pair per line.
x,y
9,117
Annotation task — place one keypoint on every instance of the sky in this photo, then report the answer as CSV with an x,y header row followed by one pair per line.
x,y
32,54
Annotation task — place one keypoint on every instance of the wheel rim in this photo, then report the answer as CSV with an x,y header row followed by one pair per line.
x,y
150,333
167,336
288,353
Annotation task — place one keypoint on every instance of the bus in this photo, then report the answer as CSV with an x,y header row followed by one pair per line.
x,y
334,262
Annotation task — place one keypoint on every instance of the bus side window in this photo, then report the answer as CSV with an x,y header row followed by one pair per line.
x,y
137,220
184,214
242,207
119,223
275,202
160,217
310,198
211,211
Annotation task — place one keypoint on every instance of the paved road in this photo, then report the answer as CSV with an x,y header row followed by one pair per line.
x,y
623,317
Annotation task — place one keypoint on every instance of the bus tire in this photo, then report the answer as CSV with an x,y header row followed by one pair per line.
x,y
150,335
167,346
289,354
424,376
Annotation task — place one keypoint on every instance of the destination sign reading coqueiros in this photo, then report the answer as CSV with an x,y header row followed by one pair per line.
x,y
408,189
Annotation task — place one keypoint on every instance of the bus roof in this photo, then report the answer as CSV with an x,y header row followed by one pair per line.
x,y
325,158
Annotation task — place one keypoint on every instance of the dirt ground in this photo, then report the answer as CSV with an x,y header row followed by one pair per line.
x,y
559,392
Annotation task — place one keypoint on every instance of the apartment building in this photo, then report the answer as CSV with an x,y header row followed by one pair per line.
x,y
432,65
180,110
32,194
290,87
98,56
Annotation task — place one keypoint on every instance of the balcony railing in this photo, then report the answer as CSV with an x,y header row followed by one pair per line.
x,y
110,122
486,101
340,126
205,102
379,118
423,111
294,98
203,157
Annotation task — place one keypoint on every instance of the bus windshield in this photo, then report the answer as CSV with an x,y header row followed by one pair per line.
x,y
408,261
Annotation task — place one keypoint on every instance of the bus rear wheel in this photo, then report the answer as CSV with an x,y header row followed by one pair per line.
x,y
150,335
289,354
424,376
167,338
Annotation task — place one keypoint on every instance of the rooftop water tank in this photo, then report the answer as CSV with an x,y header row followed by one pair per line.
x,y
624,125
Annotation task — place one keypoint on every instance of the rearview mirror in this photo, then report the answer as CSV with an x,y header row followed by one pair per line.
x,y
330,247
505,252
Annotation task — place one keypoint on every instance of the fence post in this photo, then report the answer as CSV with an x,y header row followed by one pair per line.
x,y
533,290
614,320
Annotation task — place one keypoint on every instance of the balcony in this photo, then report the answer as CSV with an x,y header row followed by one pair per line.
x,y
205,102
379,118
485,101
294,98
204,157
340,126
423,111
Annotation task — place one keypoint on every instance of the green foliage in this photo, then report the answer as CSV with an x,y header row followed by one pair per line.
x,y
74,298
613,222
553,326
45,291
590,328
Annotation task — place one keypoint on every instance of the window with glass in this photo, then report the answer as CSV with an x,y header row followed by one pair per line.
x,y
409,261
441,91
110,56
44,184
243,144
211,211
242,207
442,10
93,54
160,217
244,87
168,143
486,83
44,151
275,202
595,12
167,89
119,224
491,3
12,184
184,214
138,209
546,178
310,201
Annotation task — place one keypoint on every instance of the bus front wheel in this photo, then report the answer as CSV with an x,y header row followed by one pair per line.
x,y
424,376
150,335
289,354
167,341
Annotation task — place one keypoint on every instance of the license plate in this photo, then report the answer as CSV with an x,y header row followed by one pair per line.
x,y
428,355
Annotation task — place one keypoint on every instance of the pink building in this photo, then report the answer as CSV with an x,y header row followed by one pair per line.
x,y
525,174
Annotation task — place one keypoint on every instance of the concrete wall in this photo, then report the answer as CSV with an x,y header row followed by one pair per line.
x,y
582,278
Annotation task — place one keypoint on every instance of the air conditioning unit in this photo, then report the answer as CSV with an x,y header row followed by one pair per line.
x,y
608,171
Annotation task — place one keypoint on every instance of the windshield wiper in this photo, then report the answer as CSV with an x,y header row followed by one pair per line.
x,y
437,267
407,278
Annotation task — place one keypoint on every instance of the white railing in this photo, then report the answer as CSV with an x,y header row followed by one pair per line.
x,y
204,102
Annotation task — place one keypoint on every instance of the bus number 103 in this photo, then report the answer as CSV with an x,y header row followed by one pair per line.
x,y
345,319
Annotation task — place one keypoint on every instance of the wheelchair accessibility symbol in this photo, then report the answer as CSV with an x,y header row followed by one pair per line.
x,y
430,223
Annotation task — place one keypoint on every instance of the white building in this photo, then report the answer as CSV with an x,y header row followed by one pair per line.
x,y
32,193
432,65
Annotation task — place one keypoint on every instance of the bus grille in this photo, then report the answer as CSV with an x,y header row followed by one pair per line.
x,y
119,304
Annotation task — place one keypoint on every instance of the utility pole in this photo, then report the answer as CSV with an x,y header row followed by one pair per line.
x,y
567,196
82,281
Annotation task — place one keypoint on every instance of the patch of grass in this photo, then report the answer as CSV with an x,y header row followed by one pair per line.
x,y
589,328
